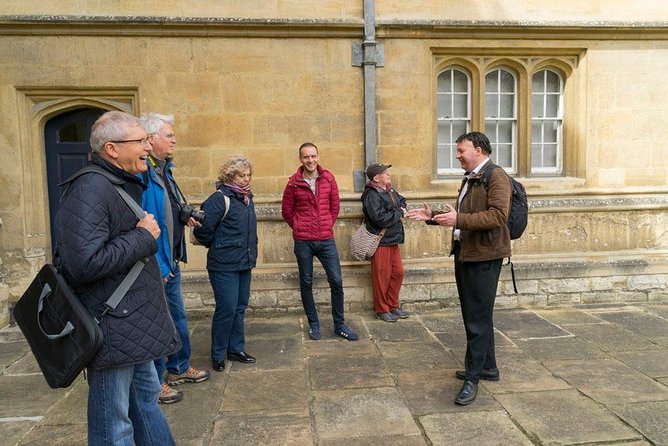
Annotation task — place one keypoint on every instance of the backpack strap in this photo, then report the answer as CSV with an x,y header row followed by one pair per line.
x,y
485,182
226,199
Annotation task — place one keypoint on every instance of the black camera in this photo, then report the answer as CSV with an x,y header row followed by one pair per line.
x,y
188,211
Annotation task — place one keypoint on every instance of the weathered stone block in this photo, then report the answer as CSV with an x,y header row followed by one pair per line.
x,y
641,283
558,286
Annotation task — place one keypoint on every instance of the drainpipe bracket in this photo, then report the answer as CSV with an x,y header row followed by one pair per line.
x,y
368,52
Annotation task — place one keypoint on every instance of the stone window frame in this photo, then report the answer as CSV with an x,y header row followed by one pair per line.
x,y
523,63
36,106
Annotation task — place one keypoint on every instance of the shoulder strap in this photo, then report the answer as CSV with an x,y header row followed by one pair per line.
x,y
486,173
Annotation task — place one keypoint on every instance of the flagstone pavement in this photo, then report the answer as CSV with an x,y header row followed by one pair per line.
x,y
585,375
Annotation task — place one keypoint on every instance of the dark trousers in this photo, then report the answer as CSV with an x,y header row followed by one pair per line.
x,y
476,285
325,251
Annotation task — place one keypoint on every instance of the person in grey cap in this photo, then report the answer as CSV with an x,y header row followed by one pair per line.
x,y
384,208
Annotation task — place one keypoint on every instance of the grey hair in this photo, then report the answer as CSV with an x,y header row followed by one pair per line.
x,y
111,126
153,122
233,165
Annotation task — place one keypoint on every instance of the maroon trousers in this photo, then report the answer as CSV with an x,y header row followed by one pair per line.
x,y
387,275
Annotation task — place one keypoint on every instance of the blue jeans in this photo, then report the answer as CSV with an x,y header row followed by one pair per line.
x,y
231,290
325,251
178,362
123,407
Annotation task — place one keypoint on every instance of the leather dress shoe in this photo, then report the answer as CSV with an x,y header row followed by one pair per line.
x,y
241,357
467,394
218,366
487,375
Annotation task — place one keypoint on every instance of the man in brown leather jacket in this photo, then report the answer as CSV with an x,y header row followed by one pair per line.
x,y
480,241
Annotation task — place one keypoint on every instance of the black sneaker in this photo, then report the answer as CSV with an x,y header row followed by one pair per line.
x,y
346,333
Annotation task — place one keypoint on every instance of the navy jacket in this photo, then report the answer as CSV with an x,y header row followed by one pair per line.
x,y
380,211
97,242
232,241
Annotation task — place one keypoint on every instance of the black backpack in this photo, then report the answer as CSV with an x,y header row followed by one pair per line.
x,y
518,216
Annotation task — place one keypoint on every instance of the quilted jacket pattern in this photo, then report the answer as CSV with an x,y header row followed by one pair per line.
x,y
310,216
384,211
98,242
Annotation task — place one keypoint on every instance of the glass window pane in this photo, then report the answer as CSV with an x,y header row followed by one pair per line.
x,y
444,81
507,106
507,82
491,106
492,81
552,82
538,82
552,106
536,132
461,82
536,155
490,131
537,102
503,155
458,129
444,106
549,155
550,132
443,132
505,132
73,132
460,106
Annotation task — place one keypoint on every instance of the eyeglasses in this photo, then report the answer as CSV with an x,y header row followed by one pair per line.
x,y
142,141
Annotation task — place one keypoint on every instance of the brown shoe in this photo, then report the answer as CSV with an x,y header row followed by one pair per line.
x,y
192,375
169,395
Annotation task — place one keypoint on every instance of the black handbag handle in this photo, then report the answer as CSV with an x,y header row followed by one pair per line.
x,y
69,328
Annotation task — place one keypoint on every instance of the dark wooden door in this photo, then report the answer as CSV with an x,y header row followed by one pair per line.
x,y
67,142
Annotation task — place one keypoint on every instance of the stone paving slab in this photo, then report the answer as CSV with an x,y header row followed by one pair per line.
x,y
363,347
272,354
12,352
407,356
348,371
525,324
204,400
410,330
395,440
565,417
341,414
473,428
568,316
611,338
71,409
434,392
260,429
520,372
12,432
639,322
560,348
14,402
59,435
651,419
266,390
609,381
653,363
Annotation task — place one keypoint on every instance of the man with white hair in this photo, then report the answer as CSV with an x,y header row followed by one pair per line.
x,y
163,199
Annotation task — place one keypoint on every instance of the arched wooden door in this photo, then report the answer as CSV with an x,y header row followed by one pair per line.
x,y
67,142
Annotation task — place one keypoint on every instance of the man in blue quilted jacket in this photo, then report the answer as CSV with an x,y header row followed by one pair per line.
x,y
99,239
164,200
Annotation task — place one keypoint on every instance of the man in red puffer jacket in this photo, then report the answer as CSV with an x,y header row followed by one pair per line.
x,y
310,206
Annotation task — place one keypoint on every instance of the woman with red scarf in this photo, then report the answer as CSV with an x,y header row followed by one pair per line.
x,y
383,209
231,236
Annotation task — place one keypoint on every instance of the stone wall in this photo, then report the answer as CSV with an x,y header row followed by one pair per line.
x,y
260,78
